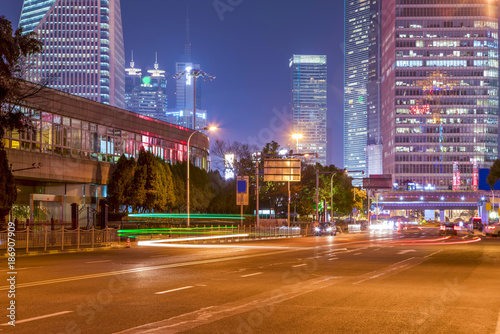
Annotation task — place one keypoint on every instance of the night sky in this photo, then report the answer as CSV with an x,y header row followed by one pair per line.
x,y
248,52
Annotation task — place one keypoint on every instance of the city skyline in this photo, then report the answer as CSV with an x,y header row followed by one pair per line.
x,y
223,47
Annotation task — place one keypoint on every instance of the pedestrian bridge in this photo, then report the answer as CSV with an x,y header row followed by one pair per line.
x,y
433,200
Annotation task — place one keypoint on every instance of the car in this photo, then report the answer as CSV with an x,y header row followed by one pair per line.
x,y
325,228
449,228
493,229
410,230
476,222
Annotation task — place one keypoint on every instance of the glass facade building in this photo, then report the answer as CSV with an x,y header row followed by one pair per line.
x,y
146,95
357,47
83,51
439,90
308,103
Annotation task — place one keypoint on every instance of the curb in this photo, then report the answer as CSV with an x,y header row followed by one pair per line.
x,y
64,251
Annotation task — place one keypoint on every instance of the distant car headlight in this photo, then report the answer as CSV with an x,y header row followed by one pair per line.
x,y
329,229
316,229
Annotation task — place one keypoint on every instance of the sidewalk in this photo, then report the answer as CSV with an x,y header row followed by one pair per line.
x,y
35,252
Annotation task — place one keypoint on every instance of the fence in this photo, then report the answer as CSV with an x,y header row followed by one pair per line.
x,y
59,239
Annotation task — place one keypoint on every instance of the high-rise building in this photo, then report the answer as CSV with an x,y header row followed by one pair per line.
x,y
184,118
439,90
187,96
374,135
83,51
308,103
146,95
357,39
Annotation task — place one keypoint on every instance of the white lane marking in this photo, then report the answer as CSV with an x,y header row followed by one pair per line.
x,y
439,251
248,275
406,251
262,302
299,265
38,318
98,261
392,269
172,290
357,254
142,269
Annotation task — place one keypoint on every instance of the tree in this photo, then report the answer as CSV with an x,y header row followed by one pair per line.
x,y
494,174
121,184
8,190
15,49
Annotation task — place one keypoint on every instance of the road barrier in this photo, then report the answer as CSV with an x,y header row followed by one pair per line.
x,y
46,238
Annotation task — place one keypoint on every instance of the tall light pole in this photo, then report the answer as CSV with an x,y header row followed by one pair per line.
x,y
194,73
294,136
188,163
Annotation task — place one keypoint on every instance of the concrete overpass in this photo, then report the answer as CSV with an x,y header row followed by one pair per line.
x,y
434,200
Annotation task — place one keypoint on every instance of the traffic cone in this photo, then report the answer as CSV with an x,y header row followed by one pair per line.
x,y
128,243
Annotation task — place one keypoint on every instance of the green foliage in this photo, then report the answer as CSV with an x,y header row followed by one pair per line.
x,y
8,190
15,48
494,174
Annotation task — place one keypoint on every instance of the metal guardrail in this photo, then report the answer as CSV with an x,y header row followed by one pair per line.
x,y
58,239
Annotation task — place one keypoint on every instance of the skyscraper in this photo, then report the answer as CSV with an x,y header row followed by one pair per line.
x,y
146,95
308,103
187,96
83,47
374,135
357,53
439,90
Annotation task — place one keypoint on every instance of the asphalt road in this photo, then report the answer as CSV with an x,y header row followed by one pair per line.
x,y
363,283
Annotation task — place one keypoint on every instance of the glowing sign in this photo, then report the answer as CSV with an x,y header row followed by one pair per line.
x,y
146,80
420,110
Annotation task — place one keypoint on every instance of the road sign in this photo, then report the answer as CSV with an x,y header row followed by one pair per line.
x,y
242,190
378,182
280,170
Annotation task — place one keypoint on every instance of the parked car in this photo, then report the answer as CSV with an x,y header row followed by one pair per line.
x,y
493,229
325,228
449,228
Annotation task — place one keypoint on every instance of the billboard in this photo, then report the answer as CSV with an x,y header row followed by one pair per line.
x,y
383,181
280,170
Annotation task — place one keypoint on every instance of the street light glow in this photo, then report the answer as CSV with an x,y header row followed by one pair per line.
x,y
297,136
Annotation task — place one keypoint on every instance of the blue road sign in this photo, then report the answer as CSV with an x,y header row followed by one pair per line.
x,y
242,186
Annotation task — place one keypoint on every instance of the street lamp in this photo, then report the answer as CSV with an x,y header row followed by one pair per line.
x,y
297,136
294,136
331,187
194,73
188,163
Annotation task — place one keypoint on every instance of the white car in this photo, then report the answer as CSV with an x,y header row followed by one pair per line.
x,y
493,229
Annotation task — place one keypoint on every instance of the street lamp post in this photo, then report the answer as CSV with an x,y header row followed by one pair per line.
x,y
188,163
294,136
331,188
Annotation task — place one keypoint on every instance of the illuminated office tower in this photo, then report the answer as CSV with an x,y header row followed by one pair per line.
x,y
146,95
308,103
357,21
83,50
439,90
